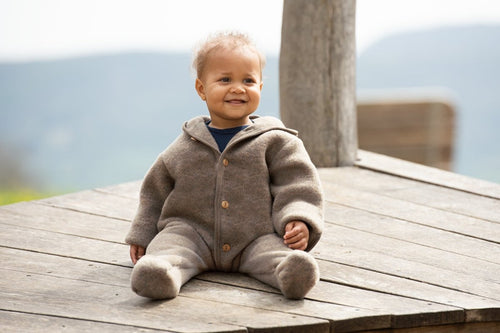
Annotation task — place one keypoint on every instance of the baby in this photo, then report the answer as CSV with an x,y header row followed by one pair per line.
x,y
233,193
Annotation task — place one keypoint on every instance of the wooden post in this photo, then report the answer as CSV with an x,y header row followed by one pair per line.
x,y
317,78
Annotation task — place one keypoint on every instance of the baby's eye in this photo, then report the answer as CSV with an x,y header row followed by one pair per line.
x,y
248,81
225,79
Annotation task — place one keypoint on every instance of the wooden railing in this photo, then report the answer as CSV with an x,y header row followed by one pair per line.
x,y
417,130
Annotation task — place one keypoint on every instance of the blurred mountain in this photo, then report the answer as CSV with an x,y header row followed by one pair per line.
x,y
87,122
99,120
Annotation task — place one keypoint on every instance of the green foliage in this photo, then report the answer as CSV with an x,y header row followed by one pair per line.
x,y
12,196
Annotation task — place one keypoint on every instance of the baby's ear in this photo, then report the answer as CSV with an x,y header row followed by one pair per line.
x,y
200,89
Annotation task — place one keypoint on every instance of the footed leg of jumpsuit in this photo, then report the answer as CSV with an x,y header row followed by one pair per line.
x,y
173,257
267,259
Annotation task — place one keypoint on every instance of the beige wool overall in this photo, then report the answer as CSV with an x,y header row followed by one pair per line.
x,y
203,210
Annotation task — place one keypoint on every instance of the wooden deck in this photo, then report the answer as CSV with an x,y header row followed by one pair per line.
x,y
406,248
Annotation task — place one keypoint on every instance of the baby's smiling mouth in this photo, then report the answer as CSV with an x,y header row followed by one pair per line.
x,y
236,101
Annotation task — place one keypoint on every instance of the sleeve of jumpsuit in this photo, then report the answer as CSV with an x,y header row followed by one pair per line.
x,y
296,190
155,188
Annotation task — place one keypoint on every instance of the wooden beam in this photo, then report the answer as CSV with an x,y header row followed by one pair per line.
x,y
317,78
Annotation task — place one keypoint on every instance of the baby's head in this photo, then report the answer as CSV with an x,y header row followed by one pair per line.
x,y
229,78
226,41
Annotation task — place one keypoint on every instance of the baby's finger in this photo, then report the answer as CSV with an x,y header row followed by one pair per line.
x,y
133,254
140,252
136,252
300,245
294,239
292,233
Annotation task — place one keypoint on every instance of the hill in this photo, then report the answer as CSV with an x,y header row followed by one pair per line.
x,y
86,122
92,121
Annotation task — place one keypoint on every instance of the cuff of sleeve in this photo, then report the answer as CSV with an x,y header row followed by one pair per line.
x,y
307,213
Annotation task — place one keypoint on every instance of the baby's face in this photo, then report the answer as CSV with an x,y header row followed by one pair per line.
x,y
231,84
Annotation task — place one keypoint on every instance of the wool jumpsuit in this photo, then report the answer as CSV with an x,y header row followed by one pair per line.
x,y
203,210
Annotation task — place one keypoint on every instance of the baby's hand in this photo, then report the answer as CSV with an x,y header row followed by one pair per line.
x,y
136,252
296,235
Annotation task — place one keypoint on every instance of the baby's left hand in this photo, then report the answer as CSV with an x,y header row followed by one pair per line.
x,y
296,235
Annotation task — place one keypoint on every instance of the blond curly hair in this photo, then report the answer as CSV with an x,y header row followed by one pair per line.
x,y
223,40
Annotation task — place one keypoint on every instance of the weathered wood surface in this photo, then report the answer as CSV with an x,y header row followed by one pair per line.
x,y
419,130
318,77
406,248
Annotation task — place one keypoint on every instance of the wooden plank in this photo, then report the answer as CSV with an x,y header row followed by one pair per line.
x,y
412,191
402,137
422,193
116,275
476,307
86,274
124,231
19,322
61,220
94,270
401,168
236,292
386,114
105,274
415,213
73,298
64,245
441,156
405,312
430,255
64,267
331,296
259,295
418,131
411,232
352,255
69,245
462,328
347,248
483,309
129,189
77,299
480,270
96,203
333,293
392,305
402,310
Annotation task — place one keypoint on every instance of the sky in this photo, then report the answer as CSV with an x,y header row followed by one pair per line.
x,y
51,29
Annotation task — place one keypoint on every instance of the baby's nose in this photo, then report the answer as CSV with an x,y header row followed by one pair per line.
x,y
237,89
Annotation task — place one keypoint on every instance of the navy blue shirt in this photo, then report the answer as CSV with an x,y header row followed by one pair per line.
x,y
223,136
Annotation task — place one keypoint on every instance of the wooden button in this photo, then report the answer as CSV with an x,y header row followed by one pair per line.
x,y
226,247
225,162
225,204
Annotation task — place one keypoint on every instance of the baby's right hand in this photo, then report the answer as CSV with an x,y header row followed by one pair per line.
x,y
136,252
